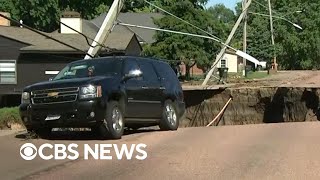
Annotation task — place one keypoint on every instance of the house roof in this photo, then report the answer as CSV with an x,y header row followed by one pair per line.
x,y
118,39
230,51
20,34
143,19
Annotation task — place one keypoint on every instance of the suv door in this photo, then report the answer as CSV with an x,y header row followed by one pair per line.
x,y
152,90
134,91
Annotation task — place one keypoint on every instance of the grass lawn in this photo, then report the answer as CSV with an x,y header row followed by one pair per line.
x,y
257,75
8,116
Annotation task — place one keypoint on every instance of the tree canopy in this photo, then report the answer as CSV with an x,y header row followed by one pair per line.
x,y
295,48
187,49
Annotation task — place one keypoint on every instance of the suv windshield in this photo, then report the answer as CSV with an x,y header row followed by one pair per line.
x,y
90,68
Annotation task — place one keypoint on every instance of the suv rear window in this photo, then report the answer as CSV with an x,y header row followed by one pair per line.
x,y
164,70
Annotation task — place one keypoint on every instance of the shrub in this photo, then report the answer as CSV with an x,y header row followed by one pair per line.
x,y
9,116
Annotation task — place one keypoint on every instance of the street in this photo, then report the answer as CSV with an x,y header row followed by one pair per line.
x,y
275,151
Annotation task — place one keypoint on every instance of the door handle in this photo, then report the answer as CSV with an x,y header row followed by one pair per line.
x,y
145,87
162,88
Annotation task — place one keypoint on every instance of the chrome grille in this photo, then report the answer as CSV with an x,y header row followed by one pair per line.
x,y
52,96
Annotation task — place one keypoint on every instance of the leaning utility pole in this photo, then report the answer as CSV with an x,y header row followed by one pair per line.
x,y
220,55
105,28
245,18
272,38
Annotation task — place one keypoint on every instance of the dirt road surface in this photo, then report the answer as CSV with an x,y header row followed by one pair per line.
x,y
305,79
288,79
275,151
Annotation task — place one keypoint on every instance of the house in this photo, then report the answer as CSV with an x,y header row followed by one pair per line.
x,y
144,36
27,57
231,61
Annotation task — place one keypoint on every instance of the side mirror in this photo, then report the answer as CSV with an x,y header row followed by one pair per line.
x,y
133,74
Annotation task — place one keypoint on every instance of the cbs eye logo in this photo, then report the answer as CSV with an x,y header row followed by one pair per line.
x,y
28,151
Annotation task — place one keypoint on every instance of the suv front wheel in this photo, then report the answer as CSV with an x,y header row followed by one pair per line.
x,y
43,132
113,124
170,119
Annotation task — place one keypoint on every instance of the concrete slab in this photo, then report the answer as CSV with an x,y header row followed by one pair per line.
x,y
199,87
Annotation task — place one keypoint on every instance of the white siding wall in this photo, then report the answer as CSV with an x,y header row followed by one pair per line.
x,y
8,72
231,62
75,23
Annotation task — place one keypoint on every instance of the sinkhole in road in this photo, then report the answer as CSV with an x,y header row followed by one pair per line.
x,y
252,106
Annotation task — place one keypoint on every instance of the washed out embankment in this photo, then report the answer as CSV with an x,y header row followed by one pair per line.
x,y
252,106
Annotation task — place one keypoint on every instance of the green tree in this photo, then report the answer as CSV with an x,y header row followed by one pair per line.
x,y
294,48
87,8
8,6
300,48
40,14
222,13
224,18
258,33
188,49
44,14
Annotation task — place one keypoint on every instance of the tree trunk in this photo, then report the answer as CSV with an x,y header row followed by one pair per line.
x,y
188,67
188,72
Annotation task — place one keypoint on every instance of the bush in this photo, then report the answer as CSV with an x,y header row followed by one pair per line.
x,y
9,116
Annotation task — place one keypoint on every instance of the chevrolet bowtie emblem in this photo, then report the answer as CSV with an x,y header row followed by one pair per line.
x,y
53,94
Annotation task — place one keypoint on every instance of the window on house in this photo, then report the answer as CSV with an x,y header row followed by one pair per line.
x,y
223,63
8,72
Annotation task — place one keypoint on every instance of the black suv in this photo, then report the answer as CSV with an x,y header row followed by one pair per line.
x,y
105,94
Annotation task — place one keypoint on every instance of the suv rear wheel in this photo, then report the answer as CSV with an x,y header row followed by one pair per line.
x,y
113,124
170,119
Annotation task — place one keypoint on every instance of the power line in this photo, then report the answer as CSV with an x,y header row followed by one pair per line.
x,y
176,32
43,34
206,32
267,8
108,49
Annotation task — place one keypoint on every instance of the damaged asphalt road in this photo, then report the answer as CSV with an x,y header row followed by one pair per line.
x,y
269,151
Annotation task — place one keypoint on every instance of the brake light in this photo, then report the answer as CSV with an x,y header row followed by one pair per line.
x,y
99,91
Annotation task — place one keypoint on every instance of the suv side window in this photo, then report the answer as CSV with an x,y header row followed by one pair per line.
x,y
107,66
130,64
148,71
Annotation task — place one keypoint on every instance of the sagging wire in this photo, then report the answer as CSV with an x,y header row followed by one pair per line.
x,y
211,36
176,32
45,35
266,7
163,10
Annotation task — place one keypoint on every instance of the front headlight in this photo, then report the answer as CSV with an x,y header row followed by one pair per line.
x,y
25,98
90,92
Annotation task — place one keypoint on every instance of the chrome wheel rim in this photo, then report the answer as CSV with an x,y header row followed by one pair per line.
x,y
171,114
117,119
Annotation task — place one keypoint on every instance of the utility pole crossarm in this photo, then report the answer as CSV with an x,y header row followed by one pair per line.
x,y
227,43
105,28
